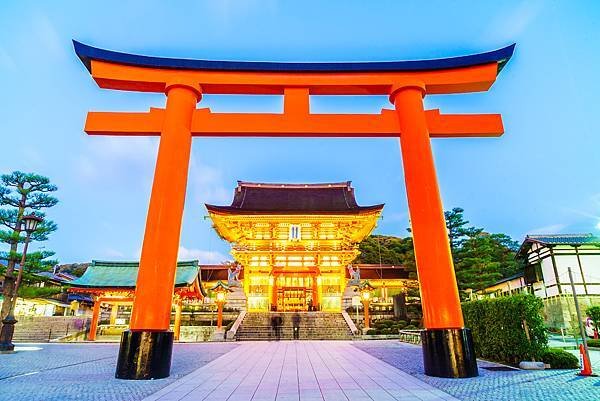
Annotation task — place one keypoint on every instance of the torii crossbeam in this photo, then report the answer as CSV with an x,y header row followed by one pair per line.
x,y
146,348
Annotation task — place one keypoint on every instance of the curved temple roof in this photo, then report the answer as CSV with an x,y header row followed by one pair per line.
x,y
87,53
268,198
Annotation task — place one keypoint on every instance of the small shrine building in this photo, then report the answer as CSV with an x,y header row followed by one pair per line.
x,y
113,284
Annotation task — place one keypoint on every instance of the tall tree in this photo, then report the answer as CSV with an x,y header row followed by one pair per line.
x,y
458,228
476,266
480,258
20,194
388,250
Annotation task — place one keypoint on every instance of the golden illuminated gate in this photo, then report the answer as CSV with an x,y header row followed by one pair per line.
x,y
294,293
294,242
146,349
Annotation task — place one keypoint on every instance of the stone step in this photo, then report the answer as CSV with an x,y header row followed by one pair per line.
x,y
45,328
257,326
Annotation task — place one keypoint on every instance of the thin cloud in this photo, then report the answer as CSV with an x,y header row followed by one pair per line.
x,y
6,61
206,184
509,26
108,157
47,35
551,229
203,256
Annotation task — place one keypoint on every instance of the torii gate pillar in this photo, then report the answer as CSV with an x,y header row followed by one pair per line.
x,y
447,346
146,348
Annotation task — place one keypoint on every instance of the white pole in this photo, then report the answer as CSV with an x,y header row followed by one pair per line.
x,y
581,330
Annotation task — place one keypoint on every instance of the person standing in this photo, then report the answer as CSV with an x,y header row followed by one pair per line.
x,y
296,325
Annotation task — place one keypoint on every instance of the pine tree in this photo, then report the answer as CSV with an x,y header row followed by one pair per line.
x,y
20,194
458,229
480,258
477,267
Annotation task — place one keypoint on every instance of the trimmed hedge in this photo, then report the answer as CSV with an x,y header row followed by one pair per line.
x,y
593,343
560,359
498,328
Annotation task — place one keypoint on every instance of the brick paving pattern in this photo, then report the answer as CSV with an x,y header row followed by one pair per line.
x,y
548,385
298,370
60,372
286,370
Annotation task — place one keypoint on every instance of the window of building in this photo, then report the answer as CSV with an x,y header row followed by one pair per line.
x,y
295,232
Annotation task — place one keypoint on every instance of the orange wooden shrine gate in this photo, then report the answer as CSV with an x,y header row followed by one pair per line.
x,y
146,348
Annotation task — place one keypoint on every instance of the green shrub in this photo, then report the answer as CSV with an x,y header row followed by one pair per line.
x,y
498,330
559,359
386,331
410,327
415,322
401,323
372,332
593,343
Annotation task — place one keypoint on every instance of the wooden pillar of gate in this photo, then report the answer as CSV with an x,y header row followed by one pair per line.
x,y
146,348
95,318
447,346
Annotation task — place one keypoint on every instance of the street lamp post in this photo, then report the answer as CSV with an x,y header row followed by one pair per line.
x,y
30,223
365,294
221,291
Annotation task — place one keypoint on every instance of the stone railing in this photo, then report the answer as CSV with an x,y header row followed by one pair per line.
x,y
410,336
236,325
350,323
196,333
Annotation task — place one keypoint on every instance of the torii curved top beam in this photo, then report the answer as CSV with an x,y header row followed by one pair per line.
x,y
87,53
296,81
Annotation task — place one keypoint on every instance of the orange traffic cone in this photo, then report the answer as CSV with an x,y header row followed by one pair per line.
x,y
586,366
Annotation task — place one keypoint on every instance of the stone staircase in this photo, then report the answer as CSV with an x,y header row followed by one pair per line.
x,y
47,328
256,326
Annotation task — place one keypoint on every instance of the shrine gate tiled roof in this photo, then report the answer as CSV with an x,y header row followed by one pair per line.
x,y
124,274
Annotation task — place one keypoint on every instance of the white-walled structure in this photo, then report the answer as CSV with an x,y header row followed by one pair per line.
x,y
547,259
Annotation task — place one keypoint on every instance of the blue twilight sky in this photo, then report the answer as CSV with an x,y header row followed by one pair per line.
x,y
540,177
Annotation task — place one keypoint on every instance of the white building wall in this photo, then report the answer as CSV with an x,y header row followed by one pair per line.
x,y
548,271
563,262
590,264
591,271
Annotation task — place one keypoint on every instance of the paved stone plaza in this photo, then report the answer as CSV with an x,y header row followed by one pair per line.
x,y
298,370
60,372
548,385
286,370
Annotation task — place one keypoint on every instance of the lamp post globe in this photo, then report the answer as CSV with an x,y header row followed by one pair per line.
x,y
220,289
30,223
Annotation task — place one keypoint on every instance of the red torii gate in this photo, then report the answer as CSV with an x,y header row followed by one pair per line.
x,y
146,348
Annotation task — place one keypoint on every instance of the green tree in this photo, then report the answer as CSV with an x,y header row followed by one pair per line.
x,y
458,228
476,267
594,313
20,194
388,250
480,258
483,259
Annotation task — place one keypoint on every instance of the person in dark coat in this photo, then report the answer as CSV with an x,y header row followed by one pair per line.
x,y
273,326
276,321
296,326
